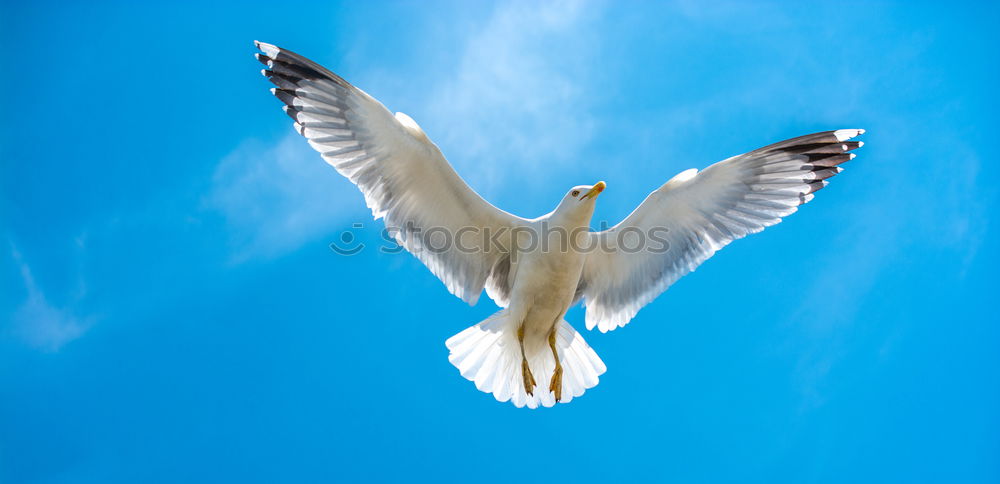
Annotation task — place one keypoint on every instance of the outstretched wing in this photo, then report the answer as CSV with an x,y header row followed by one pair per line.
x,y
402,174
685,221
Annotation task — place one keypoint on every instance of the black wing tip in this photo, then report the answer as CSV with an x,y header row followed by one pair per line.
x,y
286,96
816,145
300,65
291,111
816,186
852,145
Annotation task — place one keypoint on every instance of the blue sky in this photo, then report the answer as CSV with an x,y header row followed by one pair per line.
x,y
171,311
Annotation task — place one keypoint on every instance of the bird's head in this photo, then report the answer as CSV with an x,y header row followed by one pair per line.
x,y
579,201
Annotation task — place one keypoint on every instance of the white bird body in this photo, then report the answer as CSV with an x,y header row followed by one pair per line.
x,y
537,269
543,287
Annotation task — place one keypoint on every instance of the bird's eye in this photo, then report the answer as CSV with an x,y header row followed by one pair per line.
x,y
575,192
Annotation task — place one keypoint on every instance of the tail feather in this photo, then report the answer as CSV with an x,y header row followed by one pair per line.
x,y
489,355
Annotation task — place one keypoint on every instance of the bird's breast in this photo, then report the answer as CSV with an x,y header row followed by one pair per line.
x,y
544,286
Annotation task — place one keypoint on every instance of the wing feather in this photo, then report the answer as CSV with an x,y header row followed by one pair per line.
x,y
403,175
697,214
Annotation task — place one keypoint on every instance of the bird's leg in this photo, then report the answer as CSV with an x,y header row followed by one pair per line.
x,y
529,379
555,385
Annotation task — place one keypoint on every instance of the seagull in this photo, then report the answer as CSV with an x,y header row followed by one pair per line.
x,y
536,269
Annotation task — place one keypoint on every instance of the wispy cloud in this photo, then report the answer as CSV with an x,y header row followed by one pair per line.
x,y
961,208
833,296
38,322
515,102
275,198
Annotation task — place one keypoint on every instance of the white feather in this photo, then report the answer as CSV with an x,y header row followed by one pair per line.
x,y
701,213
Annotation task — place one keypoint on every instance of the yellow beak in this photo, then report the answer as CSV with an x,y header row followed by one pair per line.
x,y
595,191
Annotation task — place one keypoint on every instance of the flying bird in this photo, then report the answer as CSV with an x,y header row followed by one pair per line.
x,y
536,269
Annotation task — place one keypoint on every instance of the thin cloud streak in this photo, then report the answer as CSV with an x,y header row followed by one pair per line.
x,y
39,323
516,102
276,198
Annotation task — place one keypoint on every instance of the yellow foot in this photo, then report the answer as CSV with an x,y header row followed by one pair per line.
x,y
555,385
529,379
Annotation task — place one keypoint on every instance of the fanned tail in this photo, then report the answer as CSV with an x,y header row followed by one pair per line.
x,y
489,355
